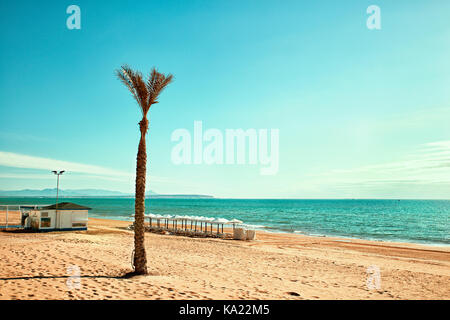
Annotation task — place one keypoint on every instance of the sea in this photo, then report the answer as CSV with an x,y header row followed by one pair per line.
x,y
413,221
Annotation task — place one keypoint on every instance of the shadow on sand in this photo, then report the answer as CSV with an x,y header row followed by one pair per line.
x,y
127,275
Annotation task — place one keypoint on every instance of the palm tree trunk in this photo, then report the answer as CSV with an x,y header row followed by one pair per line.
x,y
140,258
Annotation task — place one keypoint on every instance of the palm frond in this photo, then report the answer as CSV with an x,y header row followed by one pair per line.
x,y
155,84
145,93
125,74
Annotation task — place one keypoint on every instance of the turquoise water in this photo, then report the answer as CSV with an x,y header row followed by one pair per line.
x,y
415,221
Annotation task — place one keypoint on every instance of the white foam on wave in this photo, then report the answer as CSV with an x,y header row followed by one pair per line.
x,y
256,226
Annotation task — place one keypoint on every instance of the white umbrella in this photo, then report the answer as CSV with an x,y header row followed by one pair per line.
x,y
190,219
234,222
184,220
150,216
220,221
167,217
210,220
179,218
197,219
202,220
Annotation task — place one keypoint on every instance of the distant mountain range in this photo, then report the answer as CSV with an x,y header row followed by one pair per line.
x,y
89,193
64,193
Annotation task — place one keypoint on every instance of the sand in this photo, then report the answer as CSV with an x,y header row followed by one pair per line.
x,y
275,266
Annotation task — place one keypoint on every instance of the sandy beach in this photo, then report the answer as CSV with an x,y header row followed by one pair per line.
x,y
275,266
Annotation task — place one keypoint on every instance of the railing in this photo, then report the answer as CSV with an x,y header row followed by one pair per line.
x,y
11,215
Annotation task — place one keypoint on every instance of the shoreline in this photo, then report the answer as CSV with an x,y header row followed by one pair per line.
x,y
288,235
263,229
336,238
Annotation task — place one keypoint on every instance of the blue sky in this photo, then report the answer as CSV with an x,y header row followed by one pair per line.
x,y
361,113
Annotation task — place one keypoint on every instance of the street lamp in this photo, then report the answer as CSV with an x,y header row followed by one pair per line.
x,y
57,186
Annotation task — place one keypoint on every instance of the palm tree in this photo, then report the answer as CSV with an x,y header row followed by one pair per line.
x,y
145,93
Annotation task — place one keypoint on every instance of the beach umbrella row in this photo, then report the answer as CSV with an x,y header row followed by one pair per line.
x,y
192,220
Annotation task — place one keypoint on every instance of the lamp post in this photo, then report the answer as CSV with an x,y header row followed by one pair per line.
x,y
58,173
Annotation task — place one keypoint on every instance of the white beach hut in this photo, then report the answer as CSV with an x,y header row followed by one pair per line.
x,y
65,216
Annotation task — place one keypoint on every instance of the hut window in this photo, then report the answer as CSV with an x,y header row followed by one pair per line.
x,y
44,214
78,224
45,222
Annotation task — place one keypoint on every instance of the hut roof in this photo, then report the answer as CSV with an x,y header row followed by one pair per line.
x,y
66,206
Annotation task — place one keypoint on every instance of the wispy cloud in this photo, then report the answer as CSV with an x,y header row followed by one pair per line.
x,y
428,166
86,171
426,117
16,160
